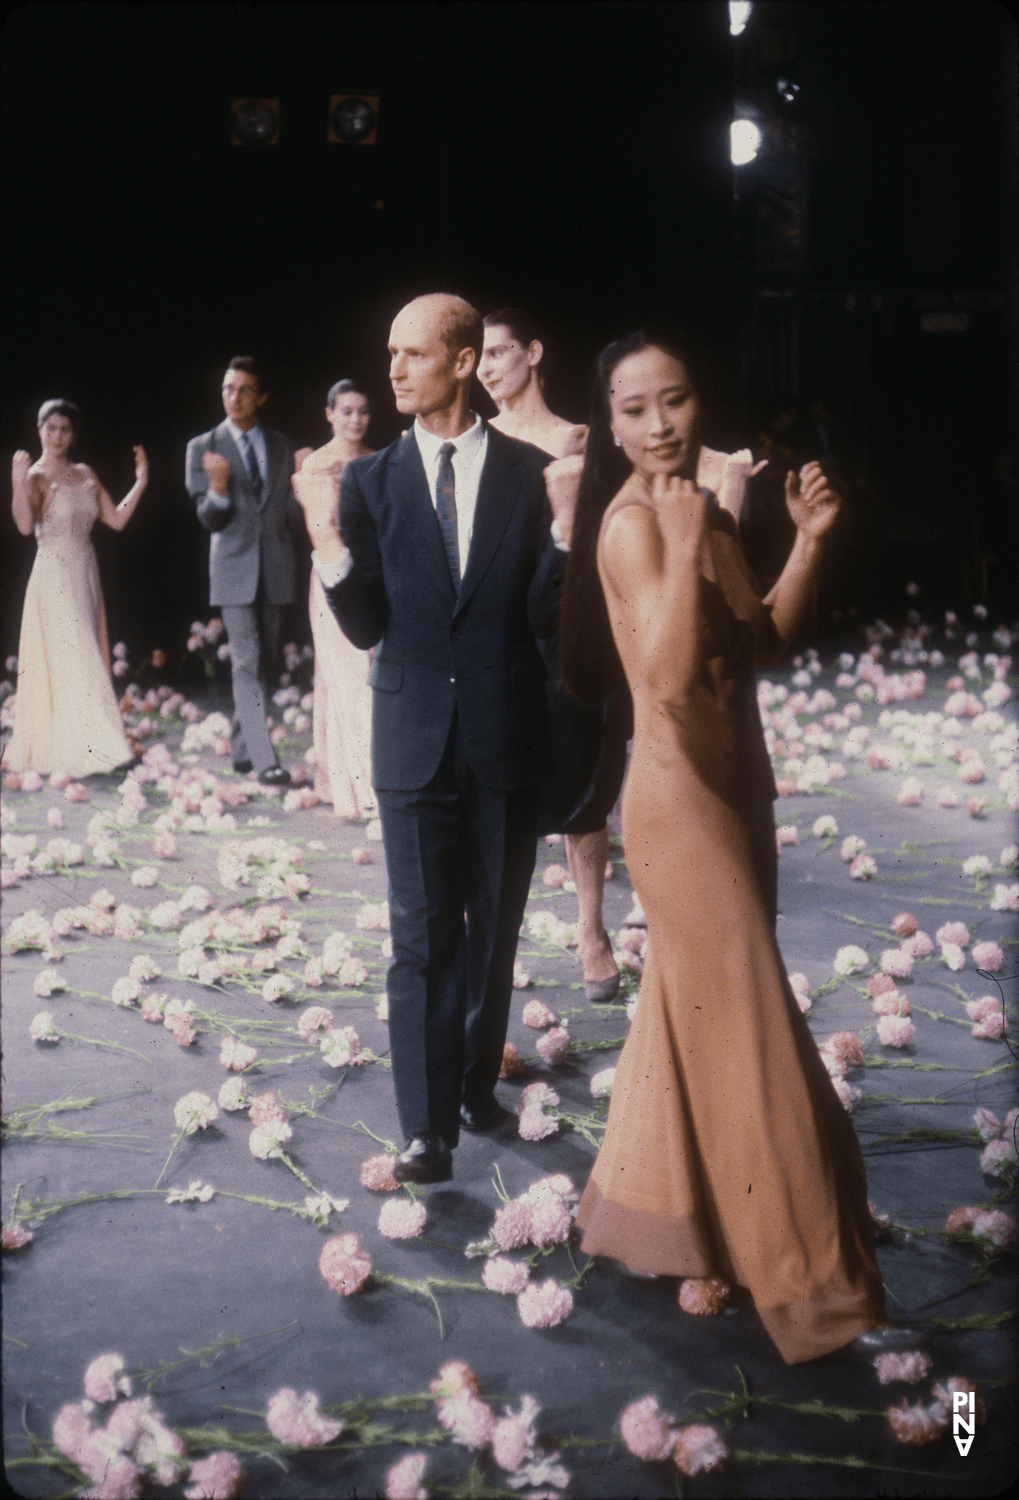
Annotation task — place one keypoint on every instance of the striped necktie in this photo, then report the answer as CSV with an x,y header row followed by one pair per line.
x,y
445,509
251,464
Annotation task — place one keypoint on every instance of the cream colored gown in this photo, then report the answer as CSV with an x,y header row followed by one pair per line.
x,y
66,713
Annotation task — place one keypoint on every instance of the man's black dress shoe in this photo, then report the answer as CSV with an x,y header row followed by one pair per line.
x,y
242,767
484,1115
274,776
427,1158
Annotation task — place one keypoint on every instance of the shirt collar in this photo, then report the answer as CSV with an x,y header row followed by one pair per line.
x,y
468,444
237,434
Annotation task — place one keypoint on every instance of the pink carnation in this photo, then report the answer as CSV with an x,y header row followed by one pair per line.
x,y
863,867
351,972
544,1304
537,1014
891,1004
104,1380
895,1031
953,956
898,962
953,932
506,1276
216,1477
987,956
314,1022
904,925
880,984
402,1219
235,1054
512,1225
997,1227
344,1265
920,944
468,1420
646,1432
847,1047
266,1107
999,1158
76,791
942,1407
403,1479
554,1045
164,845
698,1450
298,1420
915,1425
15,1238
377,1174
454,1377
550,1218
555,876
71,1429
704,1296
910,1367
911,792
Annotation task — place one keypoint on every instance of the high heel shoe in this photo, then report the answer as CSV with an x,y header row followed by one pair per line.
x,y
887,1338
601,991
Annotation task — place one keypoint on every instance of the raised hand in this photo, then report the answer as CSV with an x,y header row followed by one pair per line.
x,y
20,465
562,482
218,469
141,466
682,509
317,491
812,500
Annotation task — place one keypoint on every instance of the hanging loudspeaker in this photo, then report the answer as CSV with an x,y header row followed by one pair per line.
x,y
255,122
353,119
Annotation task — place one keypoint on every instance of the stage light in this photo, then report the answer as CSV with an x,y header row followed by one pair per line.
x,y
739,15
744,142
255,122
353,119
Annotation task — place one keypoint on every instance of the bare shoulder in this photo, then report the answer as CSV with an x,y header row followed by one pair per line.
x,y
631,540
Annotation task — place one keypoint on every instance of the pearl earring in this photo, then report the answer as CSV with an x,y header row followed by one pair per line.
x,y
615,439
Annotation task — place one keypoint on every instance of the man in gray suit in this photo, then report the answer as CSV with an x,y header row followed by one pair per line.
x,y
239,478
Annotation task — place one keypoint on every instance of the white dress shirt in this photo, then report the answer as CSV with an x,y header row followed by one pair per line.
x,y
468,460
256,437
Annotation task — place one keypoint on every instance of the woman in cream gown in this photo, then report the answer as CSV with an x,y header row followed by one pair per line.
x,y
66,713
341,715
727,1153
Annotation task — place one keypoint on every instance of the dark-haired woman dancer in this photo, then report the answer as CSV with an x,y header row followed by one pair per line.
x,y
588,744
66,714
728,1158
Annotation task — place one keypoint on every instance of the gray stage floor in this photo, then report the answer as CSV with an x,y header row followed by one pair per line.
x,y
216,1305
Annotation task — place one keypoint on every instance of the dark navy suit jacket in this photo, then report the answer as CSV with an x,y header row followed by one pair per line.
x,y
471,652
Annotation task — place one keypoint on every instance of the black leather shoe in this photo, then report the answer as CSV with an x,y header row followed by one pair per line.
x,y
484,1115
426,1158
274,776
242,767
893,1337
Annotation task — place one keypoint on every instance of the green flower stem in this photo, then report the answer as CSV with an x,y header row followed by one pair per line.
x,y
102,1042
207,1355
287,1161
180,1136
423,1288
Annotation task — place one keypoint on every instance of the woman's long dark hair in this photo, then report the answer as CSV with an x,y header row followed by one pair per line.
x,y
588,660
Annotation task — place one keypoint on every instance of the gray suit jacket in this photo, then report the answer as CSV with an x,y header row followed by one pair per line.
x,y
250,539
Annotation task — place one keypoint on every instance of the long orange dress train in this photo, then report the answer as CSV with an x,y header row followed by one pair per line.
x,y
727,1151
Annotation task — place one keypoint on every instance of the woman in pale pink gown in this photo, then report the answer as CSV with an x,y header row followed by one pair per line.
x,y
66,713
342,710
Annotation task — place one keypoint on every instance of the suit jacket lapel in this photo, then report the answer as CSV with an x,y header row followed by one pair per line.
x,y
417,513
498,492
274,453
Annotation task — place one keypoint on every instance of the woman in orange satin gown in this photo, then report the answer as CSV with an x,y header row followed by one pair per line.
x,y
727,1154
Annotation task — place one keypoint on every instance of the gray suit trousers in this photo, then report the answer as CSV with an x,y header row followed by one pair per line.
x,y
253,632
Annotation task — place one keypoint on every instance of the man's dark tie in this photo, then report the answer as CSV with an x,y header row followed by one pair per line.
x,y
445,509
251,463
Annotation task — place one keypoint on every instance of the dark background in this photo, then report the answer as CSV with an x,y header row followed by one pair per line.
x,y
573,158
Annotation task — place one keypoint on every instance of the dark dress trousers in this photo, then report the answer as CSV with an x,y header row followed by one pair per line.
x,y
460,739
